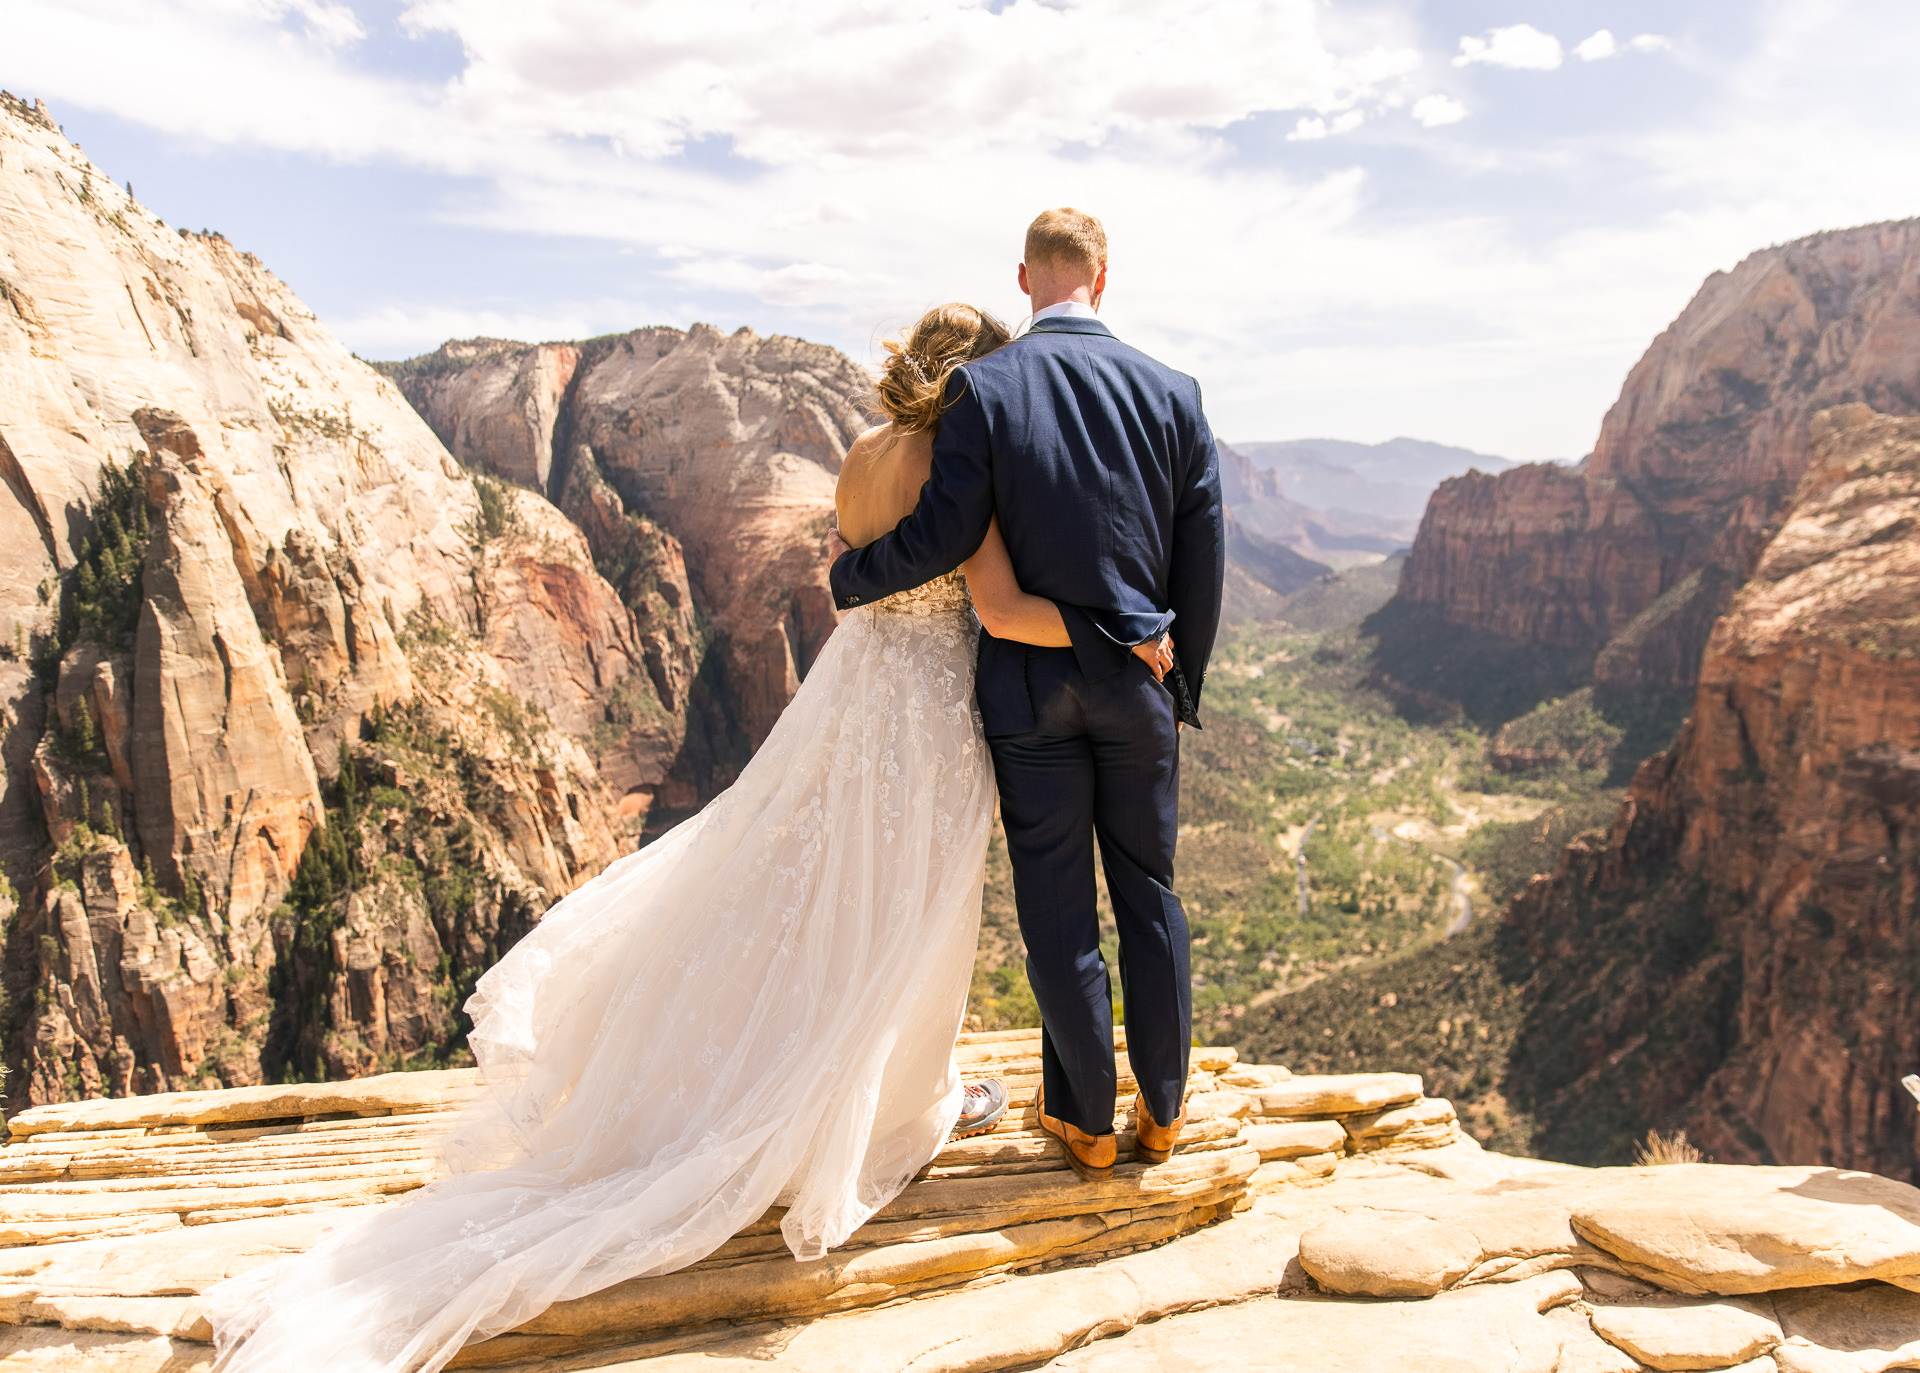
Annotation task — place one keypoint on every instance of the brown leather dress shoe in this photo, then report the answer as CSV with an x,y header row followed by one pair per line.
x,y
1091,1155
1153,1143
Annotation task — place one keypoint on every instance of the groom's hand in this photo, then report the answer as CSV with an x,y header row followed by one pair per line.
x,y
1157,654
835,544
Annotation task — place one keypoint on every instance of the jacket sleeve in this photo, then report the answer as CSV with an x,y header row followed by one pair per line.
x,y
1198,567
948,524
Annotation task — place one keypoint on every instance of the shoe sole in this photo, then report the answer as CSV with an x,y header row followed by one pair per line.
x,y
1141,1152
1085,1170
985,1127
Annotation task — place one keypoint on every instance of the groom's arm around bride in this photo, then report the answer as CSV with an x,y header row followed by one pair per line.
x,y
1103,472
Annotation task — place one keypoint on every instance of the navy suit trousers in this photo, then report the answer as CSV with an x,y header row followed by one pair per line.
x,y
1108,750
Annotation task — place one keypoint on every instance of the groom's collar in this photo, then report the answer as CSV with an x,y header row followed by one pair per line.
x,y
1069,324
1065,317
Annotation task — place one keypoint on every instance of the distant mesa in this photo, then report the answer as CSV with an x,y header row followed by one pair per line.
x,y
1391,479
724,445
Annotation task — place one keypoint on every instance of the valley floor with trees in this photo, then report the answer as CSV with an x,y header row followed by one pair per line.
x,y
1327,842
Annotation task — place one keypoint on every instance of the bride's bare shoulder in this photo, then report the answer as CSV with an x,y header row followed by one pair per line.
x,y
880,480
883,452
872,443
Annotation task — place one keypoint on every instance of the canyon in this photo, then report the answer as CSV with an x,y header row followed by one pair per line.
x,y
1734,955
1719,605
1528,583
321,680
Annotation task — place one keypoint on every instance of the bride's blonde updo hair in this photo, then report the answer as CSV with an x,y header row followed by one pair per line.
x,y
913,379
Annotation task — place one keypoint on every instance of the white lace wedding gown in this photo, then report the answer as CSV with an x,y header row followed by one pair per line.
x,y
758,1009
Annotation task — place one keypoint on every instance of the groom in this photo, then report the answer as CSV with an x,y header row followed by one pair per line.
x,y
1102,470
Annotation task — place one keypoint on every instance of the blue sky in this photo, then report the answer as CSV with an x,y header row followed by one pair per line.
x,y
1460,221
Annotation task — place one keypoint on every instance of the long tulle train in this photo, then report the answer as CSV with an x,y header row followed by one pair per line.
x,y
758,1009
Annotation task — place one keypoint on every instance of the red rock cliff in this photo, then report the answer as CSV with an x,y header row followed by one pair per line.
x,y
1630,557
1738,956
714,452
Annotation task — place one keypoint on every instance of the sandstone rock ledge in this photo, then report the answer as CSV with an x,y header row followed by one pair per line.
x,y
116,1214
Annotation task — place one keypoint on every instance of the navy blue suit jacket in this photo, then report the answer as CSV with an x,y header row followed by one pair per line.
x,y
1105,477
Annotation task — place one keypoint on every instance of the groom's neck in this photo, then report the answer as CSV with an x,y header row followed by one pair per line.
x,y
1055,283
1082,293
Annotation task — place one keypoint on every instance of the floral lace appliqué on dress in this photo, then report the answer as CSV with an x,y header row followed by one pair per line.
x,y
758,1008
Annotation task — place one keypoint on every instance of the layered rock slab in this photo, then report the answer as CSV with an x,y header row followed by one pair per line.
x,y
998,1257
1699,1229
118,1213
1689,1335
1480,1330
1736,1230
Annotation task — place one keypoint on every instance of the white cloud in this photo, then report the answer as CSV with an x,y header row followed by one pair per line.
x,y
1601,44
1432,111
824,212
328,24
898,149
854,78
1310,127
1596,46
647,79
1519,46
396,330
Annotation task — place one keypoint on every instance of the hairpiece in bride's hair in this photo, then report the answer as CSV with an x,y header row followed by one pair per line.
x,y
913,380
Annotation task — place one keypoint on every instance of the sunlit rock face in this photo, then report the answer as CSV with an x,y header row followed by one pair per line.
x,y
1620,566
696,463
1736,956
247,598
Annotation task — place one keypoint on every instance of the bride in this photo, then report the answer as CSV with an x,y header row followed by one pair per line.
x,y
758,1009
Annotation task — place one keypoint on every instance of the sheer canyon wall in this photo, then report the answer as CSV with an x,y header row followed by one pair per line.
x,y
1740,954
1615,571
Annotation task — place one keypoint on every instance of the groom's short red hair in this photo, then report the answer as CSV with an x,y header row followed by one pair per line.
x,y
1066,237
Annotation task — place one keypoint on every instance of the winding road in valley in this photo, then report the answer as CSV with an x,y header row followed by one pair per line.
x,y
1462,899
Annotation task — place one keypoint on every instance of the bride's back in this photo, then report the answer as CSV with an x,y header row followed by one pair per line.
x,y
880,481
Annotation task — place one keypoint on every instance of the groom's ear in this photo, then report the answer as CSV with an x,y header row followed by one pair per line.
x,y
1021,275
